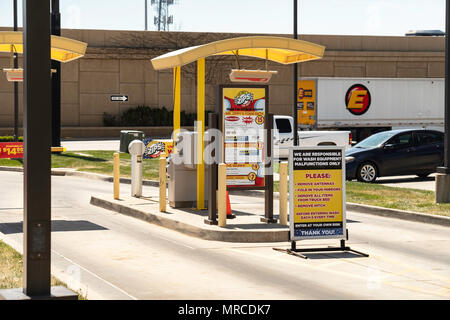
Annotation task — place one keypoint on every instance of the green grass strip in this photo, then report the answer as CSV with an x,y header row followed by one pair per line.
x,y
11,268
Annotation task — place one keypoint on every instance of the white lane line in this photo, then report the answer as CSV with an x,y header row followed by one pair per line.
x,y
173,241
94,275
16,247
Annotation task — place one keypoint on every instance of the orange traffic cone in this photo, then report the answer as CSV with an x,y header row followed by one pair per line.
x,y
230,215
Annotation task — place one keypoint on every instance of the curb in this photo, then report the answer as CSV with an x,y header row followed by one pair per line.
x,y
363,208
191,230
13,169
83,174
399,214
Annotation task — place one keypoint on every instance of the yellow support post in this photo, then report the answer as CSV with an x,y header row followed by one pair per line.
x,y
116,177
176,102
162,183
200,133
283,192
222,195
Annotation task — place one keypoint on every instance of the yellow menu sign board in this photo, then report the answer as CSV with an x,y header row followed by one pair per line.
x,y
306,102
244,114
317,193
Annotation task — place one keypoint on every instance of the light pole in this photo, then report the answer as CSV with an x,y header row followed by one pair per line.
x,y
443,176
146,16
159,15
294,110
56,79
16,85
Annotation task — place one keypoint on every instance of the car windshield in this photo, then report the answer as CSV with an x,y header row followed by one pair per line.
x,y
375,140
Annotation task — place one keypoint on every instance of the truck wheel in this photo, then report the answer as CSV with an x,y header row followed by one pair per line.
x,y
367,172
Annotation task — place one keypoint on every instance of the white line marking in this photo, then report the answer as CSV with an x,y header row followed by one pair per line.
x,y
93,274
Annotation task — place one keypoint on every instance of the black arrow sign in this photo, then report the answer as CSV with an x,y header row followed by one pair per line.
x,y
119,98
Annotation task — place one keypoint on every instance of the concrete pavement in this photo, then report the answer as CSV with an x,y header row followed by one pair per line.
x,y
248,228
413,182
248,206
113,256
91,144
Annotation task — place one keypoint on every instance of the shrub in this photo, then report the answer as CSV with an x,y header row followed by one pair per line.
x,y
109,120
9,139
143,116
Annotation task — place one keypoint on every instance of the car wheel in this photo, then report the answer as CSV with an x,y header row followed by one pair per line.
x,y
423,175
367,172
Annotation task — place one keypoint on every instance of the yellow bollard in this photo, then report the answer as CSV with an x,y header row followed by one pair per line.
x,y
283,193
222,195
116,175
162,182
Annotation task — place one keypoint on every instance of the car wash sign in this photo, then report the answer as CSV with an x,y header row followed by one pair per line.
x,y
244,112
317,193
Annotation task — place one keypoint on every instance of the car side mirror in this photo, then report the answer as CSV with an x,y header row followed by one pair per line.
x,y
389,146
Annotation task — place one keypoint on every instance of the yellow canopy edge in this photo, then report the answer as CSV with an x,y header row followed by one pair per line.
x,y
278,49
62,49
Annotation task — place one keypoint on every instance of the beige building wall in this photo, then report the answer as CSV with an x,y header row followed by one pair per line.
x,y
118,62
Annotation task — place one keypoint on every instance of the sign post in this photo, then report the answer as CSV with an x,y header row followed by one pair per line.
x,y
317,197
37,161
247,149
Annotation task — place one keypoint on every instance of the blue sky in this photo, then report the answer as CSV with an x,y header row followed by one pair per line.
x,y
349,17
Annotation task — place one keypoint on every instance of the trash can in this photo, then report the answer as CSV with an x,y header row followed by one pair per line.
x,y
126,136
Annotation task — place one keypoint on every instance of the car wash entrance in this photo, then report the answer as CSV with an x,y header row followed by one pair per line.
x,y
239,137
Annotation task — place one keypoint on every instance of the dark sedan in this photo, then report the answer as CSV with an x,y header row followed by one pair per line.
x,y
395,152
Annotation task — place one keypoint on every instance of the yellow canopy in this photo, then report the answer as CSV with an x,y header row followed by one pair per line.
x,y
278,49
62,49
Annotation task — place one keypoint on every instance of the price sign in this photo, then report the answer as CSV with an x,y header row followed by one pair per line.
x,y
11,150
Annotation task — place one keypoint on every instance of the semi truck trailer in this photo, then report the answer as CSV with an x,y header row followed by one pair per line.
x,y
368,105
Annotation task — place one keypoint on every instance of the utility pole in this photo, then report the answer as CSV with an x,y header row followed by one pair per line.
x,y
37,133
16,84
162,20
295,80
146,17
159,15
37,159
443,176
56,79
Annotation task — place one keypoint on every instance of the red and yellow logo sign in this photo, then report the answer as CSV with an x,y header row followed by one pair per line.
x,y
357,99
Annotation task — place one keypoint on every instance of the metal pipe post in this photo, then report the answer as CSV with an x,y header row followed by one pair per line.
x,y
295,80
56,80
16,84
268,172
116,175
200,133
162,183
283,192
37,138
146,17
443,176
222,195
212,176
447,89
159,15
176,103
